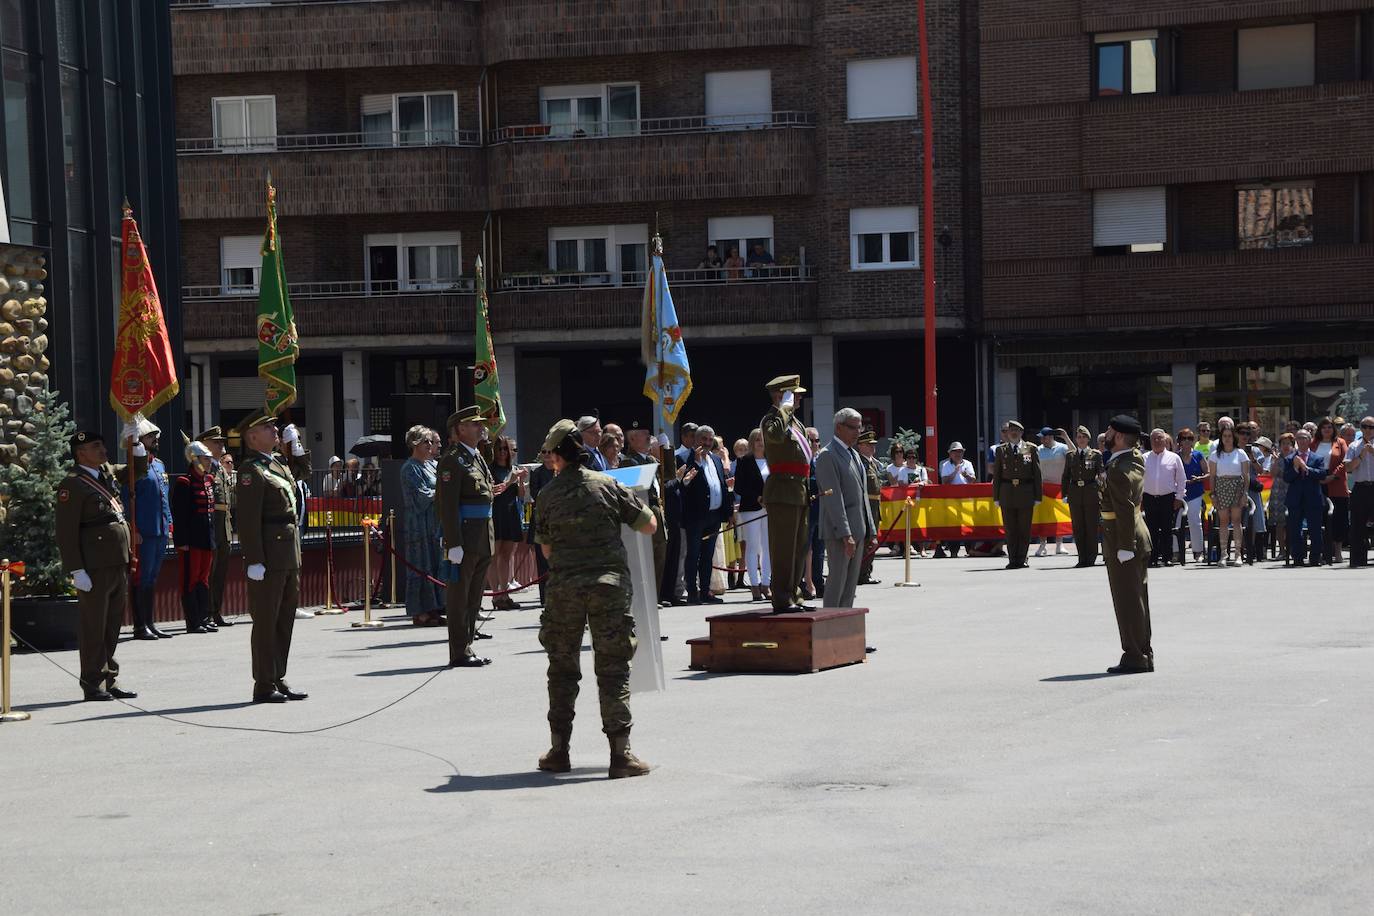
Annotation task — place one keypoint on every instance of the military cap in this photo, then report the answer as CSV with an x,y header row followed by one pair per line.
x,y
213,434
1047,431
557,433
85,437
787,383
869,436
470,414
256,418
1083,431
1125,424
146,427
1013,424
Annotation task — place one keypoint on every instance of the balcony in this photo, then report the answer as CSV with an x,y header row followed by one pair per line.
x,y
214,36
1309,284
345,309
534,29
662,159
342,174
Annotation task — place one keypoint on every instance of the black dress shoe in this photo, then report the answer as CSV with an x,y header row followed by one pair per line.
x,y
692,598
221,622
880,581
144,634
210,626
160,634
1124,669
711,599
291,694
483,636
102,696
470,661
119,693
273,697
198,628
680,602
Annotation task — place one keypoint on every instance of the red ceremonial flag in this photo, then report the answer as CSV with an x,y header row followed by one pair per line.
x,y
144,376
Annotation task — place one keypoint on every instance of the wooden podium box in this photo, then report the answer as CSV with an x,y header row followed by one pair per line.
x,y
802,642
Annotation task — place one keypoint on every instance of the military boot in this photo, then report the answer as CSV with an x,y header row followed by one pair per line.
x,y
624,763
556,760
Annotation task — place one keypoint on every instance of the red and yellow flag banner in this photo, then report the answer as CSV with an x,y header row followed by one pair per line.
x,y
144,375
967,513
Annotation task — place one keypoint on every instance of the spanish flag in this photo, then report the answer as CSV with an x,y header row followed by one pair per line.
x,y
144,375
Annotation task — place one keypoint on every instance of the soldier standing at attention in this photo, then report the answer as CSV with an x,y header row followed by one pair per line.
x,y
222,486
579,519
1126,545
271,548
785,495
93,539
1081,467
462,494
1016,489
867,445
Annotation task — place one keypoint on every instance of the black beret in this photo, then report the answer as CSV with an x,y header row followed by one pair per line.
x,y
1125,424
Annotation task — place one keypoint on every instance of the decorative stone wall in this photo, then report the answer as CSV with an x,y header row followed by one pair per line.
x,y
23,340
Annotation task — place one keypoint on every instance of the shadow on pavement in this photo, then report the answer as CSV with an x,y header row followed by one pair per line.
x,y
55,704
181,710
403,645
1064,678
533,779
392,672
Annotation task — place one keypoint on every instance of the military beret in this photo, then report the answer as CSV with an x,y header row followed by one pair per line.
x,y
1083,431
85,437
213,434
470,414
1124,424
787,383
869,436
1013,424
256,418
557,433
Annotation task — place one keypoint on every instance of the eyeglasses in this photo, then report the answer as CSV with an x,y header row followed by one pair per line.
x,y
858,426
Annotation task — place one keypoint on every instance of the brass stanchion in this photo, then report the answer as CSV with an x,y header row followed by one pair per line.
x,y
367,621
906,550
391,544
329,596
7,714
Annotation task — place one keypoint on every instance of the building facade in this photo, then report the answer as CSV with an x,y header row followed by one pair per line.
x,y
1178,202
407,137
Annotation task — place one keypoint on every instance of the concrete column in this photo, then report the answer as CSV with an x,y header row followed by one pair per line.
x,y
822,384
1185,396
1006,400
505,376
354,398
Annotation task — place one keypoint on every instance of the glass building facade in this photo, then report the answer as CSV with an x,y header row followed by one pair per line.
x,y
87,101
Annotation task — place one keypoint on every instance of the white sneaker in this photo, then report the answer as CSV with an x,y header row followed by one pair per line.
x,y
1040,551
303,614
1059,550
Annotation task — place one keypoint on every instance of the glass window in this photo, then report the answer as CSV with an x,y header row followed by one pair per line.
x,y
410,118
881,88
632,264
565,255
902,246
1111,69
69,44
623,105
871,248
240,259
882,238
109,38
15,24
75,157
418,119
1274,217
1275,57
114,156
443,118
1322,387
23,159
413,261
431,266
246,123
594,255
590,111
1126,64
383,265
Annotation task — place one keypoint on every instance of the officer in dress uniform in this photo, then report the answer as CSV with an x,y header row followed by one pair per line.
x,y
1016,489
93,539
223,488
644,449
1126,545
868,442
1080,484
785,493
463,494
268,536
579,519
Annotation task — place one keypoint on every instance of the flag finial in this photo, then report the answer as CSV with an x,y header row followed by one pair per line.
x,y
128,209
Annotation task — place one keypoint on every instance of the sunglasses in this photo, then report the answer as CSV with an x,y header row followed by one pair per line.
x,y
1185,438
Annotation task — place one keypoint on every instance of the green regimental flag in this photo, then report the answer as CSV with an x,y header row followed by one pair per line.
x,y
484,385
278,344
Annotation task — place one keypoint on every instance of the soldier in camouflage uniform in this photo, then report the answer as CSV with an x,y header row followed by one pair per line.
x,y
223,485
578,521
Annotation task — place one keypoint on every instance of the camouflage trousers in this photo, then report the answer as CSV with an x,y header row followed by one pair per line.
x,y
605,609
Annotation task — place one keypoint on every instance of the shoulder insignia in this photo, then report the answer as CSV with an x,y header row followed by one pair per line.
x,y
446,477
63,495
245,480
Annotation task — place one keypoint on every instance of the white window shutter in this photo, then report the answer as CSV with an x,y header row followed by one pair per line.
x,y
1277,56
1129,216
240,251
882,219
739,227
739,97
881,88
376,105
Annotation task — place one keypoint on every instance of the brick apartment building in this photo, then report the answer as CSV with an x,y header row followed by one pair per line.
x,y
1178,207
407,137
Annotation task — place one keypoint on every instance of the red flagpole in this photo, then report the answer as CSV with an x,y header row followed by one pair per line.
x,y
928,239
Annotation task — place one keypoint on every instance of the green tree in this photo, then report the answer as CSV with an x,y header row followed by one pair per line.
x,y
28,489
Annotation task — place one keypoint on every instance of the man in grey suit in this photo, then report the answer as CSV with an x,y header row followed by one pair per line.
x,y
846,521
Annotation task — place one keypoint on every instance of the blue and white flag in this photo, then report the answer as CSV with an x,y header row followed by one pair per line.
x,y
668,379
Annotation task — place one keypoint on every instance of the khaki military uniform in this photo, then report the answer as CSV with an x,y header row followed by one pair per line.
x,y
462,493
1016,488
1123,528
1083,494
223,487
268,535
578,517
875,505
93,534
787,500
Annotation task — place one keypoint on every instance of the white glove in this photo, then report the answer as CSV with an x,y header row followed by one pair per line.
x,y
130,431
1125,556
82,580
290,434
138,450
256,572
663,440
787,399
455,554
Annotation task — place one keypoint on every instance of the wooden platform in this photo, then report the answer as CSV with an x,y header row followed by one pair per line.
x,y
801,642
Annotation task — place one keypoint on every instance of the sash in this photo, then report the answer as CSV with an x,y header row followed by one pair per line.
x,y
115,505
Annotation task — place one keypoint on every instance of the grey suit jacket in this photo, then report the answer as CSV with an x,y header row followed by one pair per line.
x,y
843,489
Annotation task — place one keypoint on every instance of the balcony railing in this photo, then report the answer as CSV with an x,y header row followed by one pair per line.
x,y
687,124
343,289
194,4
555,280
404,139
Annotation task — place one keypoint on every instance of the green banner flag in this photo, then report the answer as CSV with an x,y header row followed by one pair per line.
x,y
278,344
484,384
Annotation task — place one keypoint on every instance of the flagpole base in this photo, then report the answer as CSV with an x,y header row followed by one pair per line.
x,y
366,624
326,612
15,716
906,585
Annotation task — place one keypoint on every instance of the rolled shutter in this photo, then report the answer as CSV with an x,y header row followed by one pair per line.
x,y
1129,216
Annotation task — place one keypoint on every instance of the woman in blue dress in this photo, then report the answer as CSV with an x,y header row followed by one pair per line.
x,y
424,601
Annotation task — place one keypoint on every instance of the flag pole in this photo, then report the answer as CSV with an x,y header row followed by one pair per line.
x,y
135,537
928,239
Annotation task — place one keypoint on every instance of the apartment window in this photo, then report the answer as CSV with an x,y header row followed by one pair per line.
x,y
412,119
1277,215
882,238
414,261
240,264
1129,220
881,88
1276,56
596,110
245,123
739,97
597,255
1126,63
740,232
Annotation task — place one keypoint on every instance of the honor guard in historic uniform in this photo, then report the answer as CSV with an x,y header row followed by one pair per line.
x,y
1126,545
462,494
1016,489
93,538
222,485
644,448
785,493
1081,491
268,536
578,529
868,442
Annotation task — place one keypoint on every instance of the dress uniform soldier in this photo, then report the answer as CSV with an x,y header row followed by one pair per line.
x,y
645,449
462,493
1126,545
1016,488
868,441
785,493
1080,485
222,485
267,524
93,540
579,519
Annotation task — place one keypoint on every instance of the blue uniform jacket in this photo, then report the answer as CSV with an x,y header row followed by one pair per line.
x,y
152,509
1305,492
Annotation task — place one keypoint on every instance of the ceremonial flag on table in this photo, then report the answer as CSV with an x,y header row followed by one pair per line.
x,y
144,375
278,344
484,383
668,378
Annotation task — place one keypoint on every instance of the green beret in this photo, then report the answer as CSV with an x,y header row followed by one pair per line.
x,y
557,433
